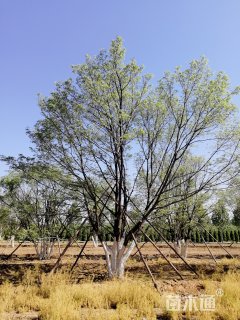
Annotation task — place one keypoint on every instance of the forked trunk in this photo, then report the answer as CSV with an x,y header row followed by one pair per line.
x,y
44,249
116,257
181,246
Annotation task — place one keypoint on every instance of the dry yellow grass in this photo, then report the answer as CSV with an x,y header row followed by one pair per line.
x,y
227,300
228,303
56,298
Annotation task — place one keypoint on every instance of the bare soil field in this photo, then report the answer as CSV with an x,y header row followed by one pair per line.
x,y
92,262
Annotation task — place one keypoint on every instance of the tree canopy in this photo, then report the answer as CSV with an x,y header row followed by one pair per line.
x,y
126,144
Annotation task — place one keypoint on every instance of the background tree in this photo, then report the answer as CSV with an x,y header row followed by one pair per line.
x,y
236,214
41,208
182,218
220,216
8,224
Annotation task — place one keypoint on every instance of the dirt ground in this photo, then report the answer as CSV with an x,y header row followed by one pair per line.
x,y
195,250
92,264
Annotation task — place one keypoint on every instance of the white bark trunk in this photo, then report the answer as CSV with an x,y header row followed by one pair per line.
x,y
184,248
95,240
116,257
59,246
44,249
12,240
177,246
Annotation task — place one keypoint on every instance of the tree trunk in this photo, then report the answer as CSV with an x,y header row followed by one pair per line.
x,y
184,248
177,246
95,240
181,246
12,240
116,257
44,249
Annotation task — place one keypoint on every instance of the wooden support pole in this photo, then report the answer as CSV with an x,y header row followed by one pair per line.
x,y
164,257
209,250
80,253
192,243
57,263
217,241
9,256
137,250
187,264
70,242
145,264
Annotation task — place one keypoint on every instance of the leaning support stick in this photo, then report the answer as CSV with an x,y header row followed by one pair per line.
x,y
9,256
209,250
57,263
164,257
70,242
231,244
191,268
137,250
145,263
217,241
162,254
192,243
80,253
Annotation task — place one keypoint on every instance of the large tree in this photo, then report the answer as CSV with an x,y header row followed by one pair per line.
x,y
124,141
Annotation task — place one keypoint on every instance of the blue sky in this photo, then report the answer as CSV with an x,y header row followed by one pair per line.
x,y
40,40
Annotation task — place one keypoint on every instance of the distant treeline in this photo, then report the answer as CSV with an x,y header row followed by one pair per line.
x,y
211,234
